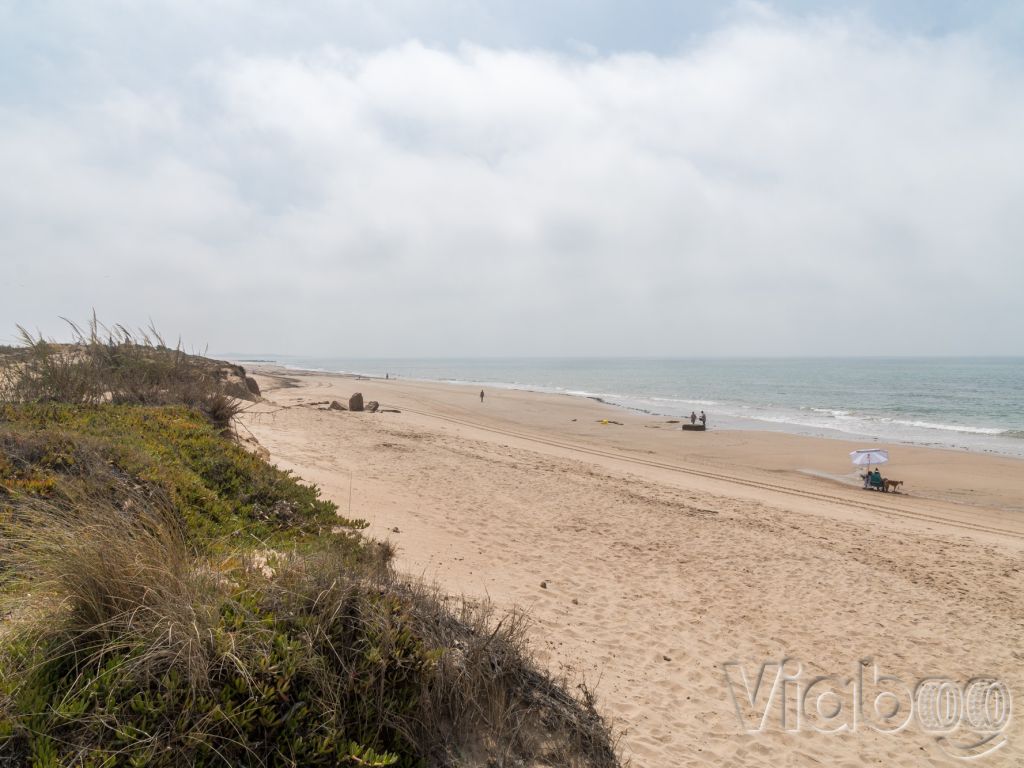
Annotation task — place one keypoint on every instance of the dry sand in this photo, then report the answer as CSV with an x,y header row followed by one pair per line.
x,y
666,554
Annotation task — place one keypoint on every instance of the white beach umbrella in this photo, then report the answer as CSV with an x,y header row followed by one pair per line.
x,y
868,456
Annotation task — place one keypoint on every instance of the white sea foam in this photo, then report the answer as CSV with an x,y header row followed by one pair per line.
x,y
684,400
845,421
946,427
833,412
306,368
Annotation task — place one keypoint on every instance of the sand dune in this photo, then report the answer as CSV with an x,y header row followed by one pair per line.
x,y
650,558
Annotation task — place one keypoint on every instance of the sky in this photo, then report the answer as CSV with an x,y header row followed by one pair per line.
x,y
457,178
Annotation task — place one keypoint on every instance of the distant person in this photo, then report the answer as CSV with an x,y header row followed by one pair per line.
x,y
481,395
387,376
693,417
867,478
703,419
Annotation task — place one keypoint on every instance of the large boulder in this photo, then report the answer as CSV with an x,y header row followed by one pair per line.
x,y
336,406
252,386
372,406
355,403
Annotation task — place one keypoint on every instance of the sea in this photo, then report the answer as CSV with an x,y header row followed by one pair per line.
x,y
974,404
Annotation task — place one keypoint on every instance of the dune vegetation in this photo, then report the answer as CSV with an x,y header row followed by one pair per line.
x,y
170,598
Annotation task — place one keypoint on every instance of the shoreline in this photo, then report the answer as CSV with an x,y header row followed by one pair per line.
x,y
936,473
948,440
647,557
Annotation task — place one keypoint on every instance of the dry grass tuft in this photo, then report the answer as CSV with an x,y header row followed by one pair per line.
x,y
487,689
119,366
111,575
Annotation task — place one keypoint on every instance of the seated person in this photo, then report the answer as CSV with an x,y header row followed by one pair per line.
x,y
876,478
866,477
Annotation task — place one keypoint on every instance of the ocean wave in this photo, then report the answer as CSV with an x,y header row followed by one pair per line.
x,y
836,413
683,400
869,425
945,427
306,368
602,396
833,412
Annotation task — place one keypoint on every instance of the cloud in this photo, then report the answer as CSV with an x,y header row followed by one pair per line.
x,y
786,186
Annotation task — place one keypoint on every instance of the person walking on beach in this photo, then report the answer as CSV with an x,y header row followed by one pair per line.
x,y
703,419
481,395
693,417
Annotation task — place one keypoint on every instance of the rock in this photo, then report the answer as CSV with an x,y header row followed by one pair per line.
x,y
395,530
372,406
543,585
336,406
355,403
666,658
252,386
575,601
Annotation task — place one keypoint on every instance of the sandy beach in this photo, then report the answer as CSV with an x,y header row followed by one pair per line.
x,y
650,558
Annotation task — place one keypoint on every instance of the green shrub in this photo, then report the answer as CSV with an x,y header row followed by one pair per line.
x,y
223,493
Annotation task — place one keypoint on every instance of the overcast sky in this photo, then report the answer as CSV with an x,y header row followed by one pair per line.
x,y
519,177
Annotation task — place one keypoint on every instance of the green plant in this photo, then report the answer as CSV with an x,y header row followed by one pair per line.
x,y
224,493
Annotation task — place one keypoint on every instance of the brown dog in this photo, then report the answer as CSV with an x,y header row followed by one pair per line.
x,y
892,485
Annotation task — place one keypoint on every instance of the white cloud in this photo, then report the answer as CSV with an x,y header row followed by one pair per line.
x,y
754,194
